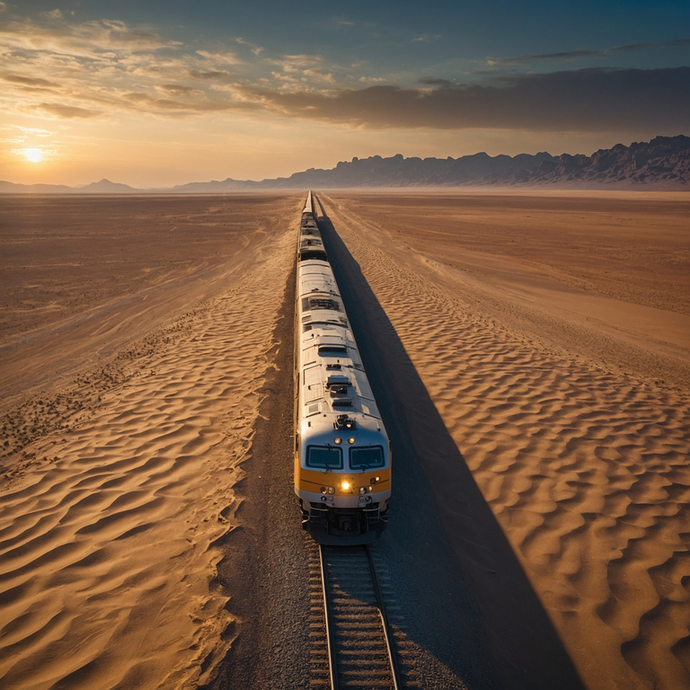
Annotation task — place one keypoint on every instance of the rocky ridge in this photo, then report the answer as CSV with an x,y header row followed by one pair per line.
x,y
663,162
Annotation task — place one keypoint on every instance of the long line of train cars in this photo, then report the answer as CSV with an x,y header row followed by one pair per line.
x,y
342,452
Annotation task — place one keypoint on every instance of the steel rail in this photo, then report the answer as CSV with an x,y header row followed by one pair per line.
x,y
329,623
395,671
329,616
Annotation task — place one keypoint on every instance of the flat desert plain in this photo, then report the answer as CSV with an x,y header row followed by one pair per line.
x,y
141,340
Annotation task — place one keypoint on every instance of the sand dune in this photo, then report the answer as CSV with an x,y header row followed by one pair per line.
x,y
574,424
110,510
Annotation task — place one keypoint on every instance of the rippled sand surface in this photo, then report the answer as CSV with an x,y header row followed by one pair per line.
x,y
553,335
127,411
551,331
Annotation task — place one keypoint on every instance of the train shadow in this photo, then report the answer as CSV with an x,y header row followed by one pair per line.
x,y
464,597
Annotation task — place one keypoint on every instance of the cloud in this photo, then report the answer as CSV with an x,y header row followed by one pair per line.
x,y
35,131
434,81
180,89
631,47
226,57
305,72
102,68
208,74
181,106
576,101
35,82
294,63
96,66
580,53
90,40
67,112
257,50
567,55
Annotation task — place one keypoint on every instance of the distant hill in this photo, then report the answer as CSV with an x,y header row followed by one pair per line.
x,y
662,163
415,172
13,188
102,187
106,187
218,187
662,160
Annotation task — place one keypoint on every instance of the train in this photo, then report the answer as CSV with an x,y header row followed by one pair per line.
x,y
342,452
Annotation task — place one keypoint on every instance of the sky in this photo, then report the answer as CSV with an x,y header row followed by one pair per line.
x,y
155,93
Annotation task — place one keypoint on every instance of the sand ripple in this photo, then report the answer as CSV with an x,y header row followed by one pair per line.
x,y
586,468
107,527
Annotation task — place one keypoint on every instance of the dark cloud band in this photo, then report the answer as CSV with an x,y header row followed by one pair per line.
x,y
580,53
581,100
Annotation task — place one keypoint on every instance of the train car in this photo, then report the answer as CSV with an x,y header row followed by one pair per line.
x,y
342,452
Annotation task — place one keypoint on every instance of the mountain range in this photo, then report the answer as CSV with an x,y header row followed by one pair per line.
x,y
662,163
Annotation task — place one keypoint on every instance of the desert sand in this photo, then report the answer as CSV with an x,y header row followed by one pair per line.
x,y
148,535
552,332
136,340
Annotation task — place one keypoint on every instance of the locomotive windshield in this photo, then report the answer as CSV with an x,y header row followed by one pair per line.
x,y
325,458
366,458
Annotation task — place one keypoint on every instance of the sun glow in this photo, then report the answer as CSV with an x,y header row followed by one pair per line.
x,y
34,155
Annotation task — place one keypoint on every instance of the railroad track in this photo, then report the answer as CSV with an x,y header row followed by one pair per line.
x,y
352,642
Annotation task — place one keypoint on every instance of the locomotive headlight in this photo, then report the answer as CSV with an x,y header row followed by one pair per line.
x,y
337,440
362,489
351,439
331,490
345,486
324,489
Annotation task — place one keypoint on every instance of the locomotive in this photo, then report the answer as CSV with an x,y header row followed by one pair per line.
x,y
342,451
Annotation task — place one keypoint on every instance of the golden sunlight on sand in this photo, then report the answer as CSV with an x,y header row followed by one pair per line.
x,y
551,331
148,352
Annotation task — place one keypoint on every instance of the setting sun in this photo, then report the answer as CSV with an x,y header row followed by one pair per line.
x,y
34,155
